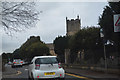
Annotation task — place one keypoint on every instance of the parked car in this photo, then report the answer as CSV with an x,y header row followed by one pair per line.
x,y
45,67
17,62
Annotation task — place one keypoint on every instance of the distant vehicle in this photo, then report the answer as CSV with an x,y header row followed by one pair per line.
x,y
45,67
9,63
17,62
23,62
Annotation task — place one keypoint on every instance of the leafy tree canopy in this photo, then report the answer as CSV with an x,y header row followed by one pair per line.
x,y
32,47
106,20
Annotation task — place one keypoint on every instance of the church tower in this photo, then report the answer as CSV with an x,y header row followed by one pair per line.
x,y
73,26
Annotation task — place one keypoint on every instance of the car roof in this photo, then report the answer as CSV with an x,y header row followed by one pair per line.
x,y
42,57
17,59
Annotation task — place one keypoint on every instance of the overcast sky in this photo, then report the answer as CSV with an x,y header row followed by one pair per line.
x,y
53,21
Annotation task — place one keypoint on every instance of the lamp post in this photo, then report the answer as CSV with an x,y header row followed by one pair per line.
x,y
102,36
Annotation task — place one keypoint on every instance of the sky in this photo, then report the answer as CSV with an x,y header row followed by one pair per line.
x,y
53,22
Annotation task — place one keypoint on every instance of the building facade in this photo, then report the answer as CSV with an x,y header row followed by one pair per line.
x,y
51,48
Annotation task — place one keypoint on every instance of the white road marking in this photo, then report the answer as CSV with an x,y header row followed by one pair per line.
x,y
26,69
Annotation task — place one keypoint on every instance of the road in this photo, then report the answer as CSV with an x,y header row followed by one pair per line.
x,y
22,74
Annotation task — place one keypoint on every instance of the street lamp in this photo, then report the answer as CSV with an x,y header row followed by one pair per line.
x,y
102,36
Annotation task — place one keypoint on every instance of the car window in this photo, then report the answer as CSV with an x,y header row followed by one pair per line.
x,y
17,60
46,61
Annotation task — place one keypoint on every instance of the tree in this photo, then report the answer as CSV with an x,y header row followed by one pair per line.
x,y
37,49
115,6
4,56
32,47
86,39
60,44
17,16
16,54
106,22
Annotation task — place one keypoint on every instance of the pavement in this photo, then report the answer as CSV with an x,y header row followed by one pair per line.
x,y
90,73
9,71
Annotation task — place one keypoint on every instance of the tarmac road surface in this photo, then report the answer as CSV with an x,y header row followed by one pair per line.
x,y
21,73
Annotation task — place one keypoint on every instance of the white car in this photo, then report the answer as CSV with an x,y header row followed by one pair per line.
x,y
45,67
17,62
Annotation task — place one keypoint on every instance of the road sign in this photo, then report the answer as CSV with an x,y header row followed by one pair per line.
x,y
117,23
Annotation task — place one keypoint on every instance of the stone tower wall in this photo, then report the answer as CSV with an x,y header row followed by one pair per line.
x,y
73,26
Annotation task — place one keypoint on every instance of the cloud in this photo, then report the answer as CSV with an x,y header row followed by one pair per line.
x,y
60,0
53,21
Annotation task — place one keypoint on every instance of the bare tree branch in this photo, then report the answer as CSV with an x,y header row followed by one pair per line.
x,y
17,16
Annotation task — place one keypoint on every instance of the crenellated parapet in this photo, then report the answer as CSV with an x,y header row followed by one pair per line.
x,y
73,26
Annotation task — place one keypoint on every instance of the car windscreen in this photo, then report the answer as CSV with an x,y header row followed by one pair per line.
x,y
17,60
46,61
